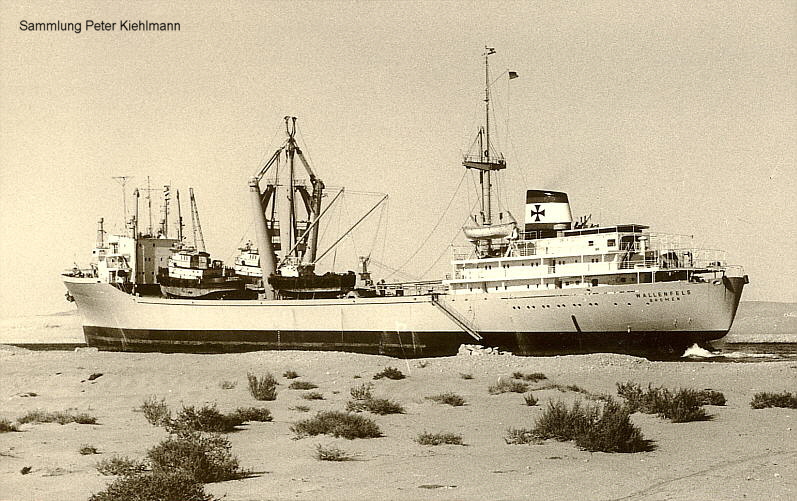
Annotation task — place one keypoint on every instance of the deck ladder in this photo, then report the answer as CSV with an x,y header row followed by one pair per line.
x,y
457,318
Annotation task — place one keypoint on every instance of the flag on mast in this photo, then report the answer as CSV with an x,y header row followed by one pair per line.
x,y
513,75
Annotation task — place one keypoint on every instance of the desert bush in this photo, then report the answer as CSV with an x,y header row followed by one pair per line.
x,y
426,438
684,406
379,406
206,418
612,431
711,397
449,398
681,406
207,458
301,408
783,399
290,374
228,385
606,429
562,423
262,388
85,450
6,426
337,424
331,453
533,377
121,466
506,386
362,392
246,414
162,486
156,411
302,385
465,375
530,399
313,395
390,373
519,436
60,417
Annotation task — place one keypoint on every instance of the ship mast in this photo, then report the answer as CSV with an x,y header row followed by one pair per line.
x,y
179,219
484,162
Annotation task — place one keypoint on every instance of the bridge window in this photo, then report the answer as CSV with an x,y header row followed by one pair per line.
x,y
611,242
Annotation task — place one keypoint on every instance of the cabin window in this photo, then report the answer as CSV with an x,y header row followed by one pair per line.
x,y
611,242
594,282
591,243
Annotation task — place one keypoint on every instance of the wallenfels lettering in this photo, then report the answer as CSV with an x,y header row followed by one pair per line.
x,y
122,25
686,292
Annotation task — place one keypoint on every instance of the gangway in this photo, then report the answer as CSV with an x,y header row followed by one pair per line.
x,y
458,319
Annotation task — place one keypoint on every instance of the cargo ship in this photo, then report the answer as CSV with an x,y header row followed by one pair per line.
x,y
551,286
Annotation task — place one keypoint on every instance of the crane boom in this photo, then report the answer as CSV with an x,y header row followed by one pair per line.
x,y
199,239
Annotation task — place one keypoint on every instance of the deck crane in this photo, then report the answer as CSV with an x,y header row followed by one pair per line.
x,y
199,243
297,239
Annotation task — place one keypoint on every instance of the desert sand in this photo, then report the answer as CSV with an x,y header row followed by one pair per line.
x,y
741,453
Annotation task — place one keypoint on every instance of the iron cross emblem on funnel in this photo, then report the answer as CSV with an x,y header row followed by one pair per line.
x,y
537,212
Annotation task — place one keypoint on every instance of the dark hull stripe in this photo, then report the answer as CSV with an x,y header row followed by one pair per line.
x,y
399,344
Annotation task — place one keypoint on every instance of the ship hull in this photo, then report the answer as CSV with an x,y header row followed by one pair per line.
x,y
639,319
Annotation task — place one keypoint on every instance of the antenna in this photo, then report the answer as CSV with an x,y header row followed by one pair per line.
x,y
122,180
149,190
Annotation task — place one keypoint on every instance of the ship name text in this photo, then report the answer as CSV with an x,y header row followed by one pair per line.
x,y
686,292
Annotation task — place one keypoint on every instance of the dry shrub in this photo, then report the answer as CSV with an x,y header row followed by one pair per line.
x,y
161,486
86,450
302,385
379,406
449,398
389,373
533,377
593,428
681,406
337,424
506,386
313,395
207,458
60,417
519,436
228,385
6,426
362,392
464,375
783,399
426,438
246,414
121,466
290,374
206,418
331,453
156,411
530,399
264,387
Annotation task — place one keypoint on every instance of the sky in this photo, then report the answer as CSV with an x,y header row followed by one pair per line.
x,y
678,115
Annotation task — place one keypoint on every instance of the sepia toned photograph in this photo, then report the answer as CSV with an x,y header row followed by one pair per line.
x,y
363,250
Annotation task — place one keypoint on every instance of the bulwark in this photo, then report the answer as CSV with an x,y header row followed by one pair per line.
x,y
128,25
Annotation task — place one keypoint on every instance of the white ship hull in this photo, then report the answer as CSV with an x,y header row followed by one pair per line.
x,y
634,318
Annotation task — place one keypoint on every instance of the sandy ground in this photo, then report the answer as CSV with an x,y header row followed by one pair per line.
x,y
740,454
